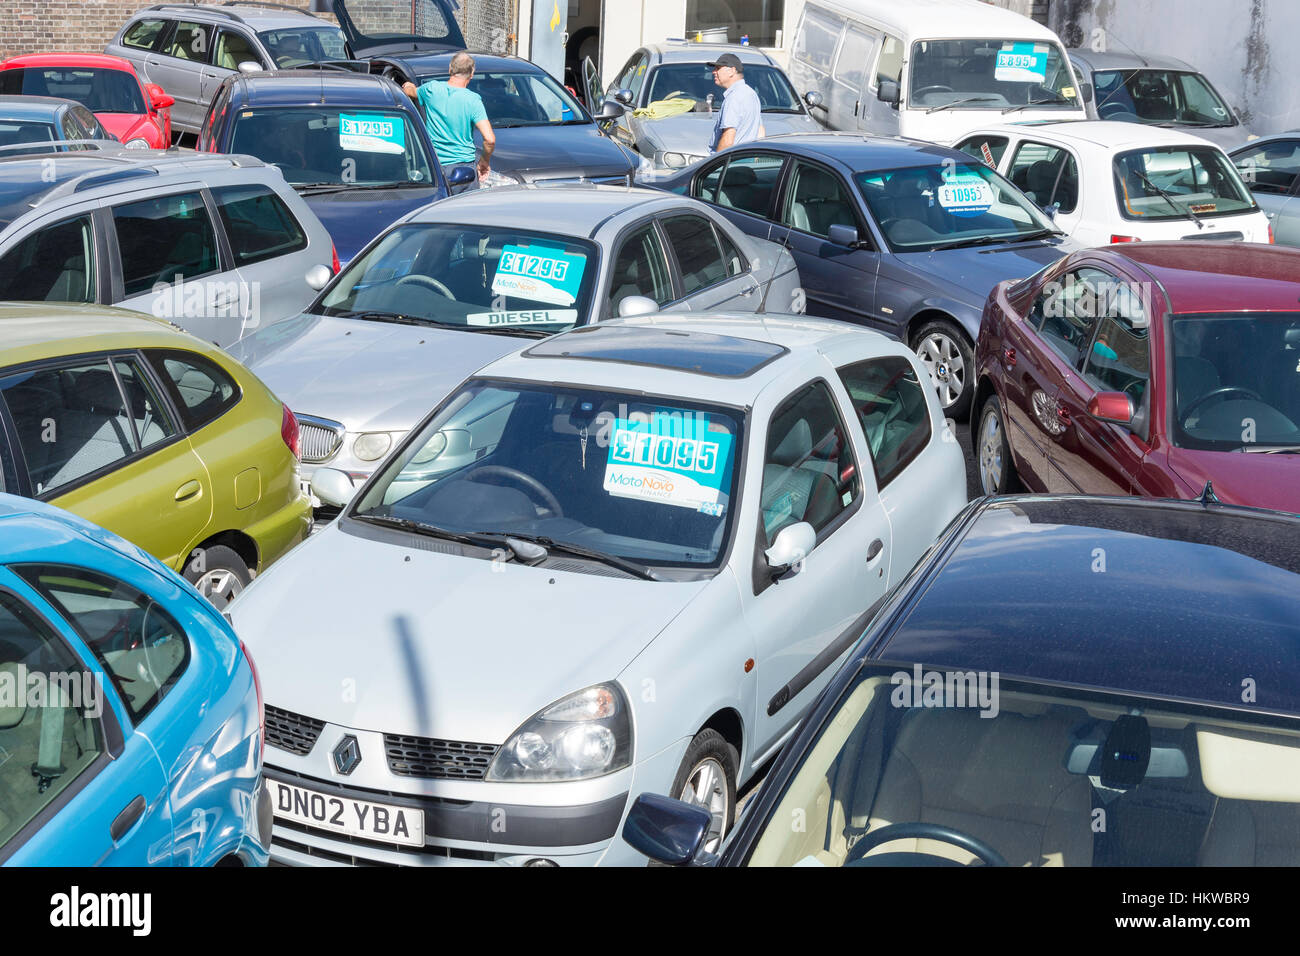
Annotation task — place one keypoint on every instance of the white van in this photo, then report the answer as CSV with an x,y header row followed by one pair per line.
x,y
929,69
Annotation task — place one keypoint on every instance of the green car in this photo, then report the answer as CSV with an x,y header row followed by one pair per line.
x,y
153,434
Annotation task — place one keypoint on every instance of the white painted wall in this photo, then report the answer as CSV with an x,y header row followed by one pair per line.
x,y
628,24
1245,47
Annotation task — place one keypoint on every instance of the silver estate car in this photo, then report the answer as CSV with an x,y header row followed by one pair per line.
x,y
461,282
623,560
219,245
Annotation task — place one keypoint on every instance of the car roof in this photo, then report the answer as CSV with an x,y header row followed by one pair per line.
x,y
28,181
1108,134
1219,276
861,152
99,60
22,107
572,209
33,331
726,358
315,87
1123,60
269,17
1162,598
943,19
683,51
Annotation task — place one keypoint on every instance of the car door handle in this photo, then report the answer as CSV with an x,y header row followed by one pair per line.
x,y
125,820
188,490
874,550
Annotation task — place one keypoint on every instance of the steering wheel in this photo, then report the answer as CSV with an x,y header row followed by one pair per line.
x,y
1225,390
528,481
925,831
427,282
937,88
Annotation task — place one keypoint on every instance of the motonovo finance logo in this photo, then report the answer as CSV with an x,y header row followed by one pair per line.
x,y
76,909
922,688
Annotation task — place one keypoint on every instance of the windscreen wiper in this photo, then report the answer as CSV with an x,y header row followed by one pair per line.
x,y
1057,98
432,531
612,560
1170,199
969,99
1270,449
1038,234
972,241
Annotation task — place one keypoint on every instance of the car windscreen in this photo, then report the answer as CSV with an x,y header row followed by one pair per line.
x,y
302,46
358,146
1160,98
923,208
1172,181
1099,779
1235,381
990,74
695,81
477,278
98,90
523,99
644,478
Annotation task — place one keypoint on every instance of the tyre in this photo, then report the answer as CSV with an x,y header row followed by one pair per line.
x,y
707,778
218,573
993,464
947,355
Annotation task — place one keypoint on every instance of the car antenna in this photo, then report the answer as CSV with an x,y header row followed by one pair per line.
x,y
1208,497
1111,36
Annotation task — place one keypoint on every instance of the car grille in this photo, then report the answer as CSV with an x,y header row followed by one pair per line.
x,y
318,438
441,759
595,181
292,732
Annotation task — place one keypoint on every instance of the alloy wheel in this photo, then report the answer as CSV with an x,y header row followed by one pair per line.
x,y
706,786
941,357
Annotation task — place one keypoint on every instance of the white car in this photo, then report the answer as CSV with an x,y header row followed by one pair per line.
x,y
552,598
1121,182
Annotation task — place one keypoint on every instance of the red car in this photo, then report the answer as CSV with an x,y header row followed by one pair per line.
x,y
1151,368
137,114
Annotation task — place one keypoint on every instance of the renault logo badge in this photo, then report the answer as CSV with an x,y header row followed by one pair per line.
x,y
347,755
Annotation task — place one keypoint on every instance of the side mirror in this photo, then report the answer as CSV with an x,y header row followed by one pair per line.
x,y
461,176
666,830
842,235
250,66
318,277
332,487
1085,91
793,543
1114,407
635,305
887,92
609,110
158,98
814,100
623,96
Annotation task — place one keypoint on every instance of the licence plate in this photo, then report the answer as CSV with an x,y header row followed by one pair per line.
x,y
358,818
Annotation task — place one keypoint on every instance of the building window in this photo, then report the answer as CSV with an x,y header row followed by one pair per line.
x,y
729,21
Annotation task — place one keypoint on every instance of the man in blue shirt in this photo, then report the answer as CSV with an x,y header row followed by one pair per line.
x,y
452,112
740,119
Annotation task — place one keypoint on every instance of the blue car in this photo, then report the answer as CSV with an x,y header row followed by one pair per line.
x,y
131,727
351,144
902,236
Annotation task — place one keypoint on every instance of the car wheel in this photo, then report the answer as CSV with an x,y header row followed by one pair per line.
x,y
997,472
947,356
707,778
218,573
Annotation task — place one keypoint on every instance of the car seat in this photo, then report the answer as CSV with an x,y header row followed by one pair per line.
x,y
818,203
1040,181
92,430
794,487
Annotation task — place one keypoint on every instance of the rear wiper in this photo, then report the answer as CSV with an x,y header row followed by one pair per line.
x,y
1270,449
948,106
612,560
1056,98
1170,199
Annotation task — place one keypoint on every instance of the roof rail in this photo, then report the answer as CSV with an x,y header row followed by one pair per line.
x,y
93,180
265,3
217,11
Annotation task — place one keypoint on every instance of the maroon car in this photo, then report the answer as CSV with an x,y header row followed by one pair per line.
x,y
1150,368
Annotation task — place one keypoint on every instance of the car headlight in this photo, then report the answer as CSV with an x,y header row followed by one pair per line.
x,y
584,735
137,143
674,160
372,445
494,178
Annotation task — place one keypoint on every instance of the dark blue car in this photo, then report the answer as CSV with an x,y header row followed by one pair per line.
x,y
1061,681
905,237
351,144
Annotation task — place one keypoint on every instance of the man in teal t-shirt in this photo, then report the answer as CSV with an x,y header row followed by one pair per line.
x,y
451,114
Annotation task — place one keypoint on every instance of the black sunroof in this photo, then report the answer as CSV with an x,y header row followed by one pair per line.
x,y
701,352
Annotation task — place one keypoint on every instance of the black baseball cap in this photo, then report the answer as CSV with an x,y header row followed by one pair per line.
x,y
728,59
